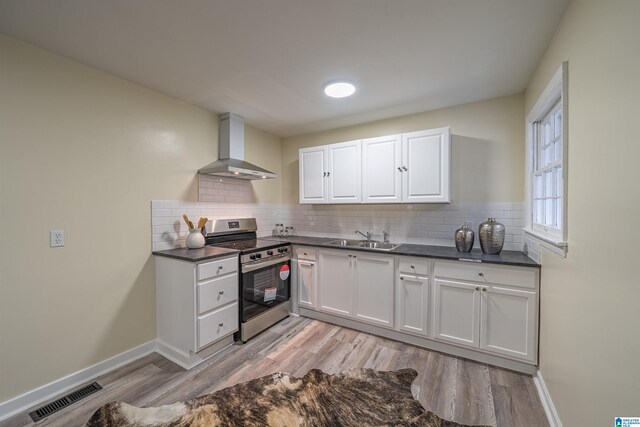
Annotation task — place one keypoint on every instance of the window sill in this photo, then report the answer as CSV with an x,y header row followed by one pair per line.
x,y
540,239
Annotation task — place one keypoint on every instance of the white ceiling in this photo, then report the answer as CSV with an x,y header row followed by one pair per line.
x,y
268,60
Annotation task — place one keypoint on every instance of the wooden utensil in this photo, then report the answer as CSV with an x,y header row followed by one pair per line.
x,y
202,221
186,220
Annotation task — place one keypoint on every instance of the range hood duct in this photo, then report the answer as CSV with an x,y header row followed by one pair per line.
x,y
231,163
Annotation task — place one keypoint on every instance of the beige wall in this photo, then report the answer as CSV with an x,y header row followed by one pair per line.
x,y
264,150
487,147
590,344
86,152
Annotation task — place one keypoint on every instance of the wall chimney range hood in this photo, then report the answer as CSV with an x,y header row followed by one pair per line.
x,y
231,142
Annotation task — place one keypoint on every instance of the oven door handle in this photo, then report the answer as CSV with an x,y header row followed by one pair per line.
x,y
246,268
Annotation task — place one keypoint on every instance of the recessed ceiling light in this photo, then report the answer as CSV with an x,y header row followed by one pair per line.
x,y
339,89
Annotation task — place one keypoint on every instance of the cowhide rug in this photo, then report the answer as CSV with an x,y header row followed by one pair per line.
x,y
355,398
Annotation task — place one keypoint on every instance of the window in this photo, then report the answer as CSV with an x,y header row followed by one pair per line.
x,y
547,172
546,209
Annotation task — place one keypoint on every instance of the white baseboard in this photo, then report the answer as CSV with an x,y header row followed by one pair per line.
x,y
189,360
545,399
36,396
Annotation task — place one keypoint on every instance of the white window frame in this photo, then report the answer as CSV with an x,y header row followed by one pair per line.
x,y
549,237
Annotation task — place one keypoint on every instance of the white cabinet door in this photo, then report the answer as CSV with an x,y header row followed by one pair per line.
x,y
381,169
335,282
313,174
426,166
374,288
456,308
307,284
508,324
345,172
412,304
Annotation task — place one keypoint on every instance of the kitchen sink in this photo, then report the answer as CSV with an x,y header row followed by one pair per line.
x,y
346,243
365,244
379,245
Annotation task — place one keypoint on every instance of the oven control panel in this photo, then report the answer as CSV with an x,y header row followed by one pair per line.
x,y
266,254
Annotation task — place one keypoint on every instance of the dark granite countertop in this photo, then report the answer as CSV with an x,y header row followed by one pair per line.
x,y
195,255
515,258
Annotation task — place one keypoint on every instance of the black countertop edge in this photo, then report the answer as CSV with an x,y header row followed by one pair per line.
x,y
195,255
513,258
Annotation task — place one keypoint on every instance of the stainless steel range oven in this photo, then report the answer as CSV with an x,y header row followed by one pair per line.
x,y
265,273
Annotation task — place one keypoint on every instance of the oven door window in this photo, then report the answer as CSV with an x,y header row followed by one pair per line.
x,y
264,288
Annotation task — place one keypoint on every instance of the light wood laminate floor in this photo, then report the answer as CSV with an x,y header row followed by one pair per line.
x,y
454,388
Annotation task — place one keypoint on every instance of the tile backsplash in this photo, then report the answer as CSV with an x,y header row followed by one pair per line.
x,y
432,224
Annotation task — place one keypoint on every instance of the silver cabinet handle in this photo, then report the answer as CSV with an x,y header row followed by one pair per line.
x,y
399,169
221,293
328,173
324,174
307,264
404,168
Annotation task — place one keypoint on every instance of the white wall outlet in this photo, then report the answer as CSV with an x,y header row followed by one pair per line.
x,y
56,238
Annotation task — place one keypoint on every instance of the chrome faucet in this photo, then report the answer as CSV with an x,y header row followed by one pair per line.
x,y
385,234
367,236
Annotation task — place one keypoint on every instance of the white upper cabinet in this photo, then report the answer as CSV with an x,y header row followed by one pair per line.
x,y
404,168
381,169
345,172
426,166
313,174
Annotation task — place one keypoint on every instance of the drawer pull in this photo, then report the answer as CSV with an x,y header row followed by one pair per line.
x,y
305,253
221,292
413,266
220,267
402,278
221,324
477,288
484,289
481,274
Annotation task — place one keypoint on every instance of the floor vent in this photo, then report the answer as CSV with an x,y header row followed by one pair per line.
x,y
63,402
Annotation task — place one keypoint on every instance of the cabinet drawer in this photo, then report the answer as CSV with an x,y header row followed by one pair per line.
x,y
414,266
510,276
306,253
217,292
216,325
217,268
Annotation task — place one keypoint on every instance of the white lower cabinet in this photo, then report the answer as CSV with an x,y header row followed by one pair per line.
x,y
335,282
488,308
456,308
196,304
356,285
509,321
374,288
413,294
483,315
306,277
